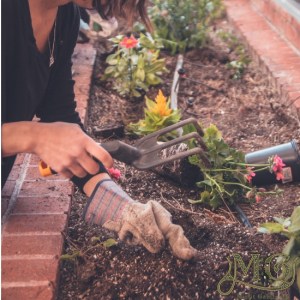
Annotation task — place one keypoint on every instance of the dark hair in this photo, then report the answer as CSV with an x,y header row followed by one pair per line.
x,y
129,10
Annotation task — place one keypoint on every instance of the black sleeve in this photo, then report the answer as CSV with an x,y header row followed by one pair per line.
x,y
59,101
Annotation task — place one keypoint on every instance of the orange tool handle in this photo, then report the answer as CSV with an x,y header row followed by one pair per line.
x,y
45,170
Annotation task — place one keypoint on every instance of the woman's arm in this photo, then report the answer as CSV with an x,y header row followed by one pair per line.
x,y
63,146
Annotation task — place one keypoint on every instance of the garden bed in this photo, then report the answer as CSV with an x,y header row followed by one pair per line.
x,y
251,117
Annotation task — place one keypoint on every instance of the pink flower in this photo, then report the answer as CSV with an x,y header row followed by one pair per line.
x,y
277,167
258,198
277,164
129,42
250,174
115,173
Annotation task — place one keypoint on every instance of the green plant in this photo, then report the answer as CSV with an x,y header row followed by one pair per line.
x,y
76,253
135,65
183,25
158,115
228,178
240,64
290,228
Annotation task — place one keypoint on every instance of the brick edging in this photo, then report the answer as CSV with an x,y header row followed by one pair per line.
x,y
274,55
37,211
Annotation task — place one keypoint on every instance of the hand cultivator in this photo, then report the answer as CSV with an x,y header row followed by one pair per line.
x,y
145,154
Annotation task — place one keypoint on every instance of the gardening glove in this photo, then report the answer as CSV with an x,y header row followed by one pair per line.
x,y
136,223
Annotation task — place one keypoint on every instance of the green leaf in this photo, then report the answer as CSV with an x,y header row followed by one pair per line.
x,y
195,201
273,227
279,220
295,220
72,256
289,246
140,74
109,243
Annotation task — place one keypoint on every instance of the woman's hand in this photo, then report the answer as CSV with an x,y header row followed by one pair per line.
x,y
62,146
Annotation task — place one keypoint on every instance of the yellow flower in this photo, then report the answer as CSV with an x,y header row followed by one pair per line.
x,y
161,106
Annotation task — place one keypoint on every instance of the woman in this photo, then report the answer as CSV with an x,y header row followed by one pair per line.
x,y
38,39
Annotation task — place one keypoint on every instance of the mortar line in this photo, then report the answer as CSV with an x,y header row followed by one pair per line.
x,y
33,233
17,188
32,283
28,257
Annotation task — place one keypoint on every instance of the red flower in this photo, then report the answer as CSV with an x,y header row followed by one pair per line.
x,y
279,176
258,198
129,42
277,167
114,173
250,174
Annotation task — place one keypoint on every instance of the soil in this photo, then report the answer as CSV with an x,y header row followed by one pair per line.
x,y
251,117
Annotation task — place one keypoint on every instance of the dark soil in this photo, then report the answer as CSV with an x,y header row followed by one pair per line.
x,y
251,117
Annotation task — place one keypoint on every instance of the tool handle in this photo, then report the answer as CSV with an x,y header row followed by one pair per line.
x,y
45,170
121,151
117,149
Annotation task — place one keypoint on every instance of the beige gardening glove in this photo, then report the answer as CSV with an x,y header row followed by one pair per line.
x,y
136,223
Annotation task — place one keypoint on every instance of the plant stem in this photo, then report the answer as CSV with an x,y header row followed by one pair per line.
x,y
236,183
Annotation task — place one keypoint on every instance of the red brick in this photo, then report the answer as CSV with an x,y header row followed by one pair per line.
x,y
42,292
283,21
83,89
34,160
15,172
81,105
84,55
82,114
81,98
4,205
17,224
20,159
32,245
297,105
51,188
8,188
292,88
83,69
26,270
30,205
294,96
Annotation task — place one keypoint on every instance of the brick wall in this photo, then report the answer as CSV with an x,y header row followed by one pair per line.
x,y
35,212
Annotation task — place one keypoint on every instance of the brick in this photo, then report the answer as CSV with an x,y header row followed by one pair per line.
x,y
34,160
81,98
8,188
297,106
32,245
20,159
82,115
15,172
42,292
82,89
82,105
4,205
46,188
294,96
84,55
285,23
30,205
83,69
26,270
17,224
